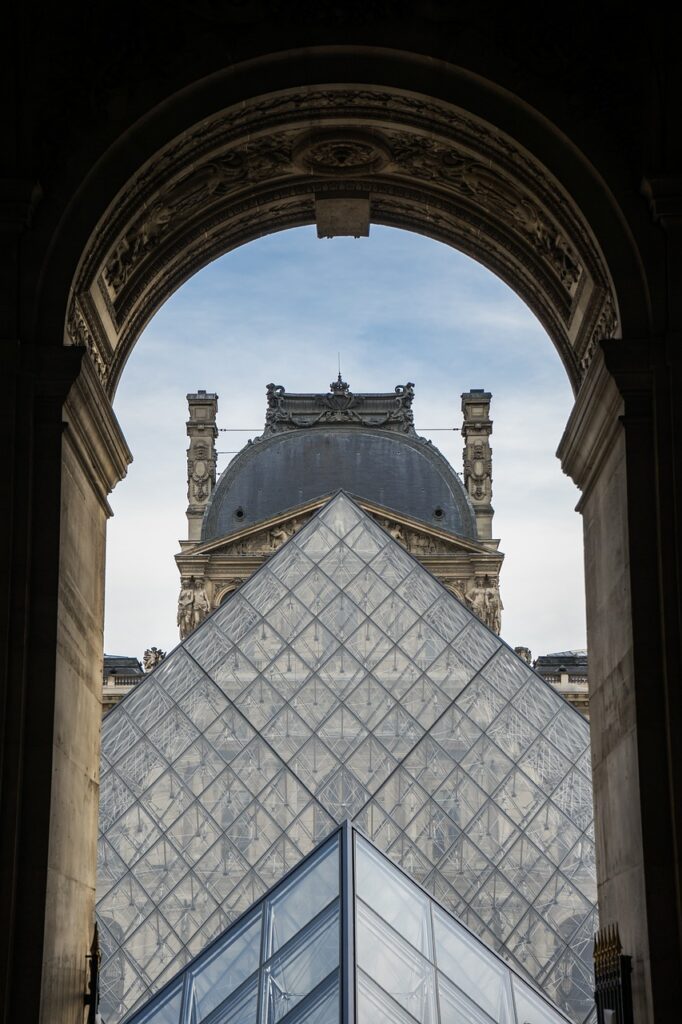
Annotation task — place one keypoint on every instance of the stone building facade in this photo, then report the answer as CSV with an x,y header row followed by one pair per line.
x,y
314,445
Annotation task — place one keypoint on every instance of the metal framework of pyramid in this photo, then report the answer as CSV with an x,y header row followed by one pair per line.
x,y
343,681
347,937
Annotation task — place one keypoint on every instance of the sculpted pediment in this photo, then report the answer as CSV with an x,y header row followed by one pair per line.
x,y
268,537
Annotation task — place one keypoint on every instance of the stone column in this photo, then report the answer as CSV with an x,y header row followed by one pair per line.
x,y
612,450
478,458
66,452
201,458
94,458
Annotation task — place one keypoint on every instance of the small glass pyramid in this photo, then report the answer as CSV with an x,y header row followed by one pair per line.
x,y
347,936
343,681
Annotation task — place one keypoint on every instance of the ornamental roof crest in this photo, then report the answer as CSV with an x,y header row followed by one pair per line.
x,y
291,411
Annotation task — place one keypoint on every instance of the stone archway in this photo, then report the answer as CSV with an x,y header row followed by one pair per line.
x,y
434,149
343,156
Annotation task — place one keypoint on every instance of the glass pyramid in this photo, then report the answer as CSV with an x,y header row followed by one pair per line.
x,y
343,681
347,936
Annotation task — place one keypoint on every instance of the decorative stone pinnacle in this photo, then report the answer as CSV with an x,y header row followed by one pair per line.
x,y
339,386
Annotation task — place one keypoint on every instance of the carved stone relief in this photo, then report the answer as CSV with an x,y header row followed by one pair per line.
x,y
606,327
199,470
266,541
430,159
413,541
79,333
205,194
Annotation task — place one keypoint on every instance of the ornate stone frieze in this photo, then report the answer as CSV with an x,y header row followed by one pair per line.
x,y
488,187
334,152
266,541
259,167
605,327
80,333
290,411
202,186
414,541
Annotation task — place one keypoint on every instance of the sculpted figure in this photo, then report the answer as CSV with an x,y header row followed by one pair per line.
x,y
185,609
152,657
200,607
280,534
494,606
396,531
476,599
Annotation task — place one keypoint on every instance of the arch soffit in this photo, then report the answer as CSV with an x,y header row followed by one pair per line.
x,y
260,166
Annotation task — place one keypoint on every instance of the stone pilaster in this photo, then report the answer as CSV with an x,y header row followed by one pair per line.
x,y
201,458
478,458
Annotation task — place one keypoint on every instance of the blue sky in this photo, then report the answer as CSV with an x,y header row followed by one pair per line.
x,y
397,307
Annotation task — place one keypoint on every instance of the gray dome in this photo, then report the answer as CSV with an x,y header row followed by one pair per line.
x,y
402,473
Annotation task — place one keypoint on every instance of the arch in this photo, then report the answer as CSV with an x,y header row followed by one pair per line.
x,y
435,148
417,161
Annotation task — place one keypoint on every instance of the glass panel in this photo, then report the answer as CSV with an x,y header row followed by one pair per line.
x,y
342,732
369,701
153,946
203,703
506,672
574,797
165,1012
221,869
284,798
116,741
374,1006
455,732
456,1008
241,1008
460,797
388,893
198,766
323,1009
173,734
531,1008
341,515
228,964
371,763
395,966
306,894
343,795
188,906
295,972
512,732
115,797
472,968
544,764
280,858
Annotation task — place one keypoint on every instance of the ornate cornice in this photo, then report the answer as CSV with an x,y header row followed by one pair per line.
x,y
424,165
291,411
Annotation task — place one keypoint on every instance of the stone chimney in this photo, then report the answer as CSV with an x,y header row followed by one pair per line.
x,y
201,458
478,458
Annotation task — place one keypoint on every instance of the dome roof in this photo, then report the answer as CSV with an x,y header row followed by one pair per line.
x,y
397,470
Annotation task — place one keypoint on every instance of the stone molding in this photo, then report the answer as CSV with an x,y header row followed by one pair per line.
x,y
94,434
592,429
256,168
